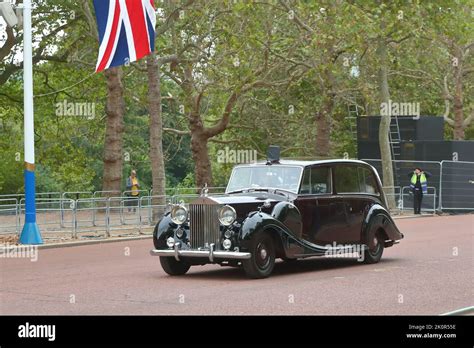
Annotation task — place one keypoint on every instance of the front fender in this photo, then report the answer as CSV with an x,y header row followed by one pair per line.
x,y
164,229
377,218
284,237
260,221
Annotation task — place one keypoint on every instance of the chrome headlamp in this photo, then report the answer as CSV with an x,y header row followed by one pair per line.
x,y
227,215
179,214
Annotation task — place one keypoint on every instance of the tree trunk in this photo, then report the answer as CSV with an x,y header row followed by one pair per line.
x,y
458,103
202,162
323,126
384,128
113,144
156,135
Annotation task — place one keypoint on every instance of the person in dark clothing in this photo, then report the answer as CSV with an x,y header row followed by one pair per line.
x,y
419,186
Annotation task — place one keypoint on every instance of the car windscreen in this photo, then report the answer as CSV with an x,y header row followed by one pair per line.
x,y
265,176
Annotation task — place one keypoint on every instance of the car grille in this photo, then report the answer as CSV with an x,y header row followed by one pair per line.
x,y
204,225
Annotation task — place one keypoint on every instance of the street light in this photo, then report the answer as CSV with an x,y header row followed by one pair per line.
x,y
30,233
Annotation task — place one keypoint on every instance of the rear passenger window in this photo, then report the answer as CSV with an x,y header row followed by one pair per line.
x,y
367,181
354,179
347,179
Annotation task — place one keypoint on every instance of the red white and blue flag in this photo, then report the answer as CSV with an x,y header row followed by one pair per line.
x,y
126,31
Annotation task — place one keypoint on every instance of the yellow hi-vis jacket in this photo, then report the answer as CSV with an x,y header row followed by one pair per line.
x,y
423,182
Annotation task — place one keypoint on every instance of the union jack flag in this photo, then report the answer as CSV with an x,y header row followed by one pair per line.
x,y
126,31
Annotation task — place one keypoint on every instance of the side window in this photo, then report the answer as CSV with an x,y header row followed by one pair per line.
x,y
320,180
347,179
305,183
367,182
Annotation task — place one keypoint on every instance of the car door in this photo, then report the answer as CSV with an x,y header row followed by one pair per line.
x,y
322,212
347,186
358,188
360,204
306,203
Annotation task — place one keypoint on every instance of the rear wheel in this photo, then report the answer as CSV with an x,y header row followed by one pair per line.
x,y
262,259
173,267
375,249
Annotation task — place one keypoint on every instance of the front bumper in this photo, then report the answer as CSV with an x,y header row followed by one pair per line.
x,y
211,254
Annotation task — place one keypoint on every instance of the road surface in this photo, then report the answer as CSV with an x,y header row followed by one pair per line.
x,y
430,272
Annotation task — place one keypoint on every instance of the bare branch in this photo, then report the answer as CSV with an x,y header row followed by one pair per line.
x,y
469,119
176,131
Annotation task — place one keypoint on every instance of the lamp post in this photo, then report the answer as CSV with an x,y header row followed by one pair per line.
x,y
30,233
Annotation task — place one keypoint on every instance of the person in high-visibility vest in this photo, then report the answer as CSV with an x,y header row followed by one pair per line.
x,y
133,190
419,186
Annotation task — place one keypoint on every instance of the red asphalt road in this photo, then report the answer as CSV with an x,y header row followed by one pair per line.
x,y
421,275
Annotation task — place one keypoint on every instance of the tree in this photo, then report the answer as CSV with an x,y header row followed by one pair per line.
x,y
113,143
215,67
454,34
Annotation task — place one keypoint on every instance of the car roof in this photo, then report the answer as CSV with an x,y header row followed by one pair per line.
x,y
306,163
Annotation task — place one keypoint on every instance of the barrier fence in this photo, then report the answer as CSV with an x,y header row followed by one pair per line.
x,y
98,213
451,185
451,188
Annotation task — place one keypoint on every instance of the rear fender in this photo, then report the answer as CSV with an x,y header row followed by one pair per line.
x,y
378,218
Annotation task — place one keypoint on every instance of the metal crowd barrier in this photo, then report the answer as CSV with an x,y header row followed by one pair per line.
x,y
408,199
457,186
395,193
78,212
9,215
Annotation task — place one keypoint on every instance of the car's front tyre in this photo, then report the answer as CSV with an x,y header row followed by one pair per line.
x,y
262,259
173,267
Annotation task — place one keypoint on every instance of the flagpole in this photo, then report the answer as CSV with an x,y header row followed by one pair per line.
x,y
30,233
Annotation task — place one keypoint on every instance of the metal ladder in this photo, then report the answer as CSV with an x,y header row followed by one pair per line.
x,y
353,113
395,146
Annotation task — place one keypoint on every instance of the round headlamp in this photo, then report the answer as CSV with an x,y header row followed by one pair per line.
x,y
179,214
227,215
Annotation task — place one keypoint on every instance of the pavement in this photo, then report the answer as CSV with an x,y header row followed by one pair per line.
x,y
429,272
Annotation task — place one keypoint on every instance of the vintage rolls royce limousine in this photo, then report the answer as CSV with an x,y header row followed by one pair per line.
x,y
279,209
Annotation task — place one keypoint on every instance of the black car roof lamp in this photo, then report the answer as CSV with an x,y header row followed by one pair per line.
x,y
273,155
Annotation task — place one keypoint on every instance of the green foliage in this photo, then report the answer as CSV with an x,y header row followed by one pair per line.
x,y
242,38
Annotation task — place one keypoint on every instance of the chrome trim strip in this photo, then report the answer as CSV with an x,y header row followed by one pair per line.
x,y
202,253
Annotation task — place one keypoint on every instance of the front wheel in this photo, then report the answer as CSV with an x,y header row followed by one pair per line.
x,y
262,259
173,267
375,249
